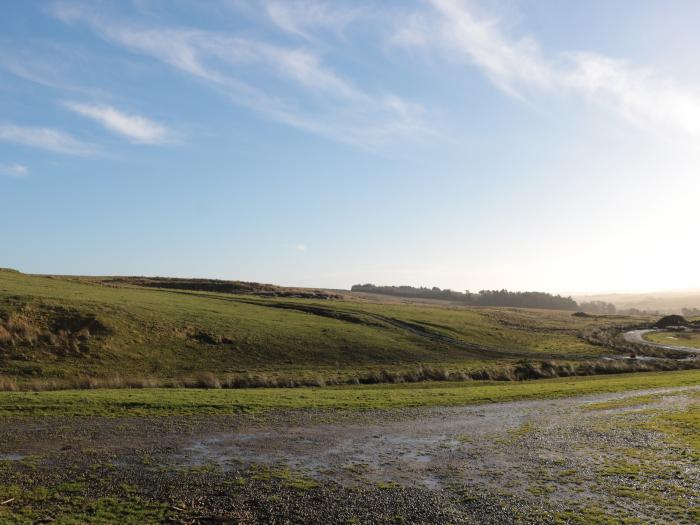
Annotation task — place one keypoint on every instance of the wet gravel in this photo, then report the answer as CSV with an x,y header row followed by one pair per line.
x,y
524,462
242,495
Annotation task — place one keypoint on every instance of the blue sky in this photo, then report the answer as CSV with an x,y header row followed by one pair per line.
x,y
532,144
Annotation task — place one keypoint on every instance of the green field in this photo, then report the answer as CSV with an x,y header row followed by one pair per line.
x,y
675,338
57,332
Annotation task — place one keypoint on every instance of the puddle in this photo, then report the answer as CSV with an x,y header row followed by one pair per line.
x,y
12,457
358,455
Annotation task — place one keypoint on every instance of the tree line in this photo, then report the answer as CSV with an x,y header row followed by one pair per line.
x,y
481,298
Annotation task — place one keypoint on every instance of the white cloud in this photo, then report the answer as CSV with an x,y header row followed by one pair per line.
x,y
311,97
639,95
134,127
303,16
519,68
14,170
504,61
300,247
45,138
306,69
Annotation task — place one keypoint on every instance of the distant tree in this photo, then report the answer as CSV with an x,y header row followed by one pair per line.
x,y
598,308
632,311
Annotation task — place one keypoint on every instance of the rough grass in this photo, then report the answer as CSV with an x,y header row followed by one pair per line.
x,y
162,402
479,371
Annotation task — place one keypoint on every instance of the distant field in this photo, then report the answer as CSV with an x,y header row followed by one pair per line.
x,y
58,332
675,338
664,302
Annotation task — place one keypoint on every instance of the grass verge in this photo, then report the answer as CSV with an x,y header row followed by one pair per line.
x,y
165,402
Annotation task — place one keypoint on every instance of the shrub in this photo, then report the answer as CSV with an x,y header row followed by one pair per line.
x,y
206,380
5,336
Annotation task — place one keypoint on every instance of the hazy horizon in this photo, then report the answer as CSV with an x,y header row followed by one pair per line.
x,y
527,145
592,295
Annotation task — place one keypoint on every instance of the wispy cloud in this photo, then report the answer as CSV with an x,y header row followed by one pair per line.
x,y
45,138
290,85
520,68
38,73
302,17
51,65
14,170
135,128
640,95
299,248
458,28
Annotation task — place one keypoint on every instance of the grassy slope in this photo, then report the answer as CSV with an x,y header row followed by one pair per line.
x,y
153,333
675,338
161,402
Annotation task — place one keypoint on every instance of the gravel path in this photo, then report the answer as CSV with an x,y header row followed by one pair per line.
x,y
425,448
543,461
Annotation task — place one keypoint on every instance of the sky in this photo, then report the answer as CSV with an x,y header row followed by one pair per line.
x,y
465,144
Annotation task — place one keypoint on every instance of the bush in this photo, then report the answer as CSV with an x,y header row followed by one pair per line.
x,y
671,320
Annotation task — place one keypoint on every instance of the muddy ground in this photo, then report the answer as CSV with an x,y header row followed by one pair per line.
x,y
555,461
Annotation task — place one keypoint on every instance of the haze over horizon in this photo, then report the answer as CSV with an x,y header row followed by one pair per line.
x,y
594,294
528,145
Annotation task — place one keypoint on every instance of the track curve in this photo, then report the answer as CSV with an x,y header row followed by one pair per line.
x,y
637,337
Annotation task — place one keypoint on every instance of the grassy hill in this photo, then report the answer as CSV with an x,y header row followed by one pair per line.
x,y
72,331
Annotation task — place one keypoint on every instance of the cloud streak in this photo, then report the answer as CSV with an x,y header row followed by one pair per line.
x,y
46,64
519,68
294,85
45,138
288,84
135,128
641,96
301,17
